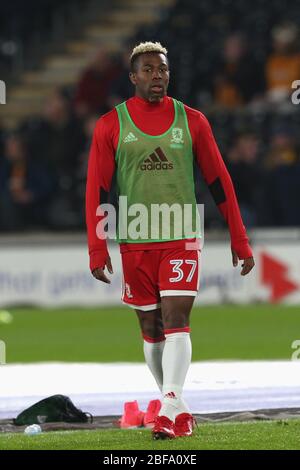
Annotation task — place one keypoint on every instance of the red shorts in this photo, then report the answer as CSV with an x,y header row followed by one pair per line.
x,y
151,274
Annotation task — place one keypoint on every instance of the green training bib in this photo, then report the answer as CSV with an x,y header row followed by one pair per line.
x,y
155,182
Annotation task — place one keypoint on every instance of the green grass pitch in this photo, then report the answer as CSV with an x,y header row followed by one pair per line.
x,y
112,334
234,436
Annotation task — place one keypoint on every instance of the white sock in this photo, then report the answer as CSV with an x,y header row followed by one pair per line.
x,y
176,360
153,352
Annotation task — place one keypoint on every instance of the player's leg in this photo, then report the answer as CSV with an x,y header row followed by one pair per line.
x,y
174,417
140,291
176,311
179,282
177,353
151,325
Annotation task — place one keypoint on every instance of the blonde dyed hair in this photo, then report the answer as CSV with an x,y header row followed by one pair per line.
x,y
145,47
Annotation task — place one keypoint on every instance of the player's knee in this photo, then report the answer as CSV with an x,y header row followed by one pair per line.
x,y
152,329
153,333
176,312
174,319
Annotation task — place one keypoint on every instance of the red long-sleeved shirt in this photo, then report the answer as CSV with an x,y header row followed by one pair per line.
x,y
155,119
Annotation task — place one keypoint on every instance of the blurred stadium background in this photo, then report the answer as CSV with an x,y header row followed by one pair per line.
x,y
65,63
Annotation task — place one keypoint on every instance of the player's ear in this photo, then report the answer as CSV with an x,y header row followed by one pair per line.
x,y
132,77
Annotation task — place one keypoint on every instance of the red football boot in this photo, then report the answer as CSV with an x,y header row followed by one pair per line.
x,y
153,409
133,417
163,428
184,425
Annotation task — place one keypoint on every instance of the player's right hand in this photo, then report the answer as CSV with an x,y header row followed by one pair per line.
x,y
99,274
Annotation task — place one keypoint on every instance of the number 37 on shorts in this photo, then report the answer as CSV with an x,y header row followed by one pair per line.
x,y
149,275
180,275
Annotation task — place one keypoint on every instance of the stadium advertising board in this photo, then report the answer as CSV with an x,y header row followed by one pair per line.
x,y
59,276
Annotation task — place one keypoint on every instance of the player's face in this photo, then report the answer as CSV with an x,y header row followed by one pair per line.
x,y
151,76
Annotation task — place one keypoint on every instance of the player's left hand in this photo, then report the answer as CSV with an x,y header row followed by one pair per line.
x,y
247,265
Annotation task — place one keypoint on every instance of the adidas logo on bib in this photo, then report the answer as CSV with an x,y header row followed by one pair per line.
x,y
157,160
130,138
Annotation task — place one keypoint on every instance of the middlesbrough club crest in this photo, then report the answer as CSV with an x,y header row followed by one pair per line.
x,y
128,291
177,136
